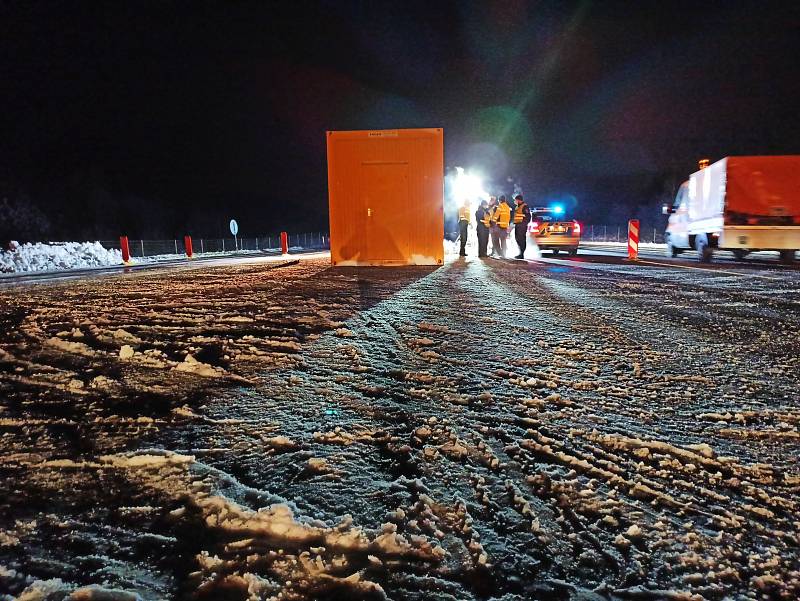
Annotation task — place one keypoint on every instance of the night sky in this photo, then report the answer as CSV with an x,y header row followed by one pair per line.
x,y
157,119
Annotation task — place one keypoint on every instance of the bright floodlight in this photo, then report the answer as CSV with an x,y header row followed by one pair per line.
x,y
467,187
558,209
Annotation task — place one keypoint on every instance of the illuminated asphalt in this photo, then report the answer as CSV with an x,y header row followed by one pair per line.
x,y
761,273
657,253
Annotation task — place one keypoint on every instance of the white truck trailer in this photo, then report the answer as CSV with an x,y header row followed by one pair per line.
x,y
741,204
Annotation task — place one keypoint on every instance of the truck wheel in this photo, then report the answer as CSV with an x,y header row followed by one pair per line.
x,y
787,256
704,250
740,253
672,250
554,251
573,252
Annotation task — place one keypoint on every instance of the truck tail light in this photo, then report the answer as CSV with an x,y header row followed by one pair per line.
x,y
577,228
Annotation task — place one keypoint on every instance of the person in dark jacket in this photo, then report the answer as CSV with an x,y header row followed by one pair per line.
x,y
493,227
522,217
463,226
482,216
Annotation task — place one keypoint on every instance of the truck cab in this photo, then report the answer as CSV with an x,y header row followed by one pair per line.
x,y
678,224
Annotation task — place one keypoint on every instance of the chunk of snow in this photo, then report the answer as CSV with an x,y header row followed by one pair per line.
x,y
281,442
633,532
193,366
97,593
77,348
126,336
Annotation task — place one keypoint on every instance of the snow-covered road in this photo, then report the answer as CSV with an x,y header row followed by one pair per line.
x,y
568,429
159,263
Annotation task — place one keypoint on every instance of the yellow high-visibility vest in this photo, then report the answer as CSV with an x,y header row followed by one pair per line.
x,y
487,215
518,213
463,213
502,215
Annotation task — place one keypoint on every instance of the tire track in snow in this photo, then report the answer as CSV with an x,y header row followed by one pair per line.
x,y
533,424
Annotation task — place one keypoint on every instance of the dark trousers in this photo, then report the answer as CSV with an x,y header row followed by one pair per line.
x,y
483,240
521,234
462,227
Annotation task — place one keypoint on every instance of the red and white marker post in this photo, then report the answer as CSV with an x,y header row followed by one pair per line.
x,y
284,243
126,249
633,240
187,243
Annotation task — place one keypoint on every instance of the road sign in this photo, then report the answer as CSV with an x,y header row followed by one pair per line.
x,y
234,227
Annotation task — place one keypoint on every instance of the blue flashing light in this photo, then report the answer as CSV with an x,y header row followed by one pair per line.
x,y
558,209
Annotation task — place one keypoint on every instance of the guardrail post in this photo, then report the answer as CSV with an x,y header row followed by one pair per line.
x,y
187,243
284,243
202,250
223,245
126,250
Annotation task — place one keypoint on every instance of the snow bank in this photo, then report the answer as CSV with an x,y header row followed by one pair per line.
x,y
56,256
59,256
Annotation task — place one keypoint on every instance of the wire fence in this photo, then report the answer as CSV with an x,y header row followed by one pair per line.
x,y
150,248
321,241
619,233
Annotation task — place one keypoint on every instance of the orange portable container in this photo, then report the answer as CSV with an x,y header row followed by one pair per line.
x,y
386,197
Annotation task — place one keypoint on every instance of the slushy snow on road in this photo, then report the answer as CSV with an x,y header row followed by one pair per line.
x,y
487,430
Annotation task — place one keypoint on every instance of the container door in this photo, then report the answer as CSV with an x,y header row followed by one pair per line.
x,y
386,202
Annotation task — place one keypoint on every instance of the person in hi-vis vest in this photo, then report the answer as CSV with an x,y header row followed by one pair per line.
x,y
463,225
501,217
522,217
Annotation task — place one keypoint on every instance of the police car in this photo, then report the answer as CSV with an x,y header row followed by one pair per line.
x,y
552,232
